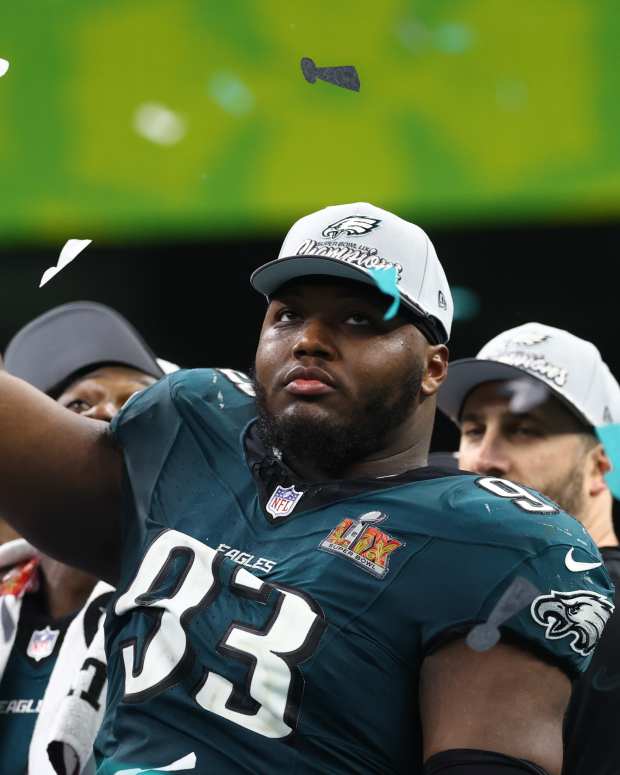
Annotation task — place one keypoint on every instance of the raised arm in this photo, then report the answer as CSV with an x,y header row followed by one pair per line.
x,y
505,700
60,478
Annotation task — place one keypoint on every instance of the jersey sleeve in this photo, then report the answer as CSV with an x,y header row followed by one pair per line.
x,y
145,429
185,425
534,576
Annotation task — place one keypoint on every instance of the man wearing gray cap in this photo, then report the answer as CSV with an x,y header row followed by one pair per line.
x,y
296,588
527,406
91,360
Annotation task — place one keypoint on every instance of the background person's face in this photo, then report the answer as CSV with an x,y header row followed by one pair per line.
x,y
101,393
542,449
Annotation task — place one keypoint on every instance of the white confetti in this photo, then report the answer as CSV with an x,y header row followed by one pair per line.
x,y
71,249
167,366
159,124
4,66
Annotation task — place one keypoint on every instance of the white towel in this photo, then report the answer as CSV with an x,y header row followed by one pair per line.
x,y
74,701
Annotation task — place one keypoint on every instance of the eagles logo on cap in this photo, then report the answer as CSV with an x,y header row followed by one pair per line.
x,y
352,225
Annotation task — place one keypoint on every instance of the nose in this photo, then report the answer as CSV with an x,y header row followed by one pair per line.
x,y
104,410
315,340
488,457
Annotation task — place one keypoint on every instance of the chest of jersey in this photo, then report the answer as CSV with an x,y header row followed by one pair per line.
x,y
274,628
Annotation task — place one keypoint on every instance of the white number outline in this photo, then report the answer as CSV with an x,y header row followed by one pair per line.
x,y
125,604
242,700
504,488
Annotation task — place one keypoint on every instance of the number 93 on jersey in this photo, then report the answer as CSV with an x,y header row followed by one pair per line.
x,y
197,610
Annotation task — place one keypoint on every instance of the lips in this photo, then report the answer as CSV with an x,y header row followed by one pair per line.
x,y
310,381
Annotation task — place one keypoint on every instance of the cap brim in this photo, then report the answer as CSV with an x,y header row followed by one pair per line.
x,y
72,337
269,277
467,374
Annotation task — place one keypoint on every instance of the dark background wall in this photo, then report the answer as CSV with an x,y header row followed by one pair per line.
x,y
194,305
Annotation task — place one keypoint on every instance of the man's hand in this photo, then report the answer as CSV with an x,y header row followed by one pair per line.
x,y
505,700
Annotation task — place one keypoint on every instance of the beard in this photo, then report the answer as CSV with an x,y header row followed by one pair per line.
x,y
332,443
567,492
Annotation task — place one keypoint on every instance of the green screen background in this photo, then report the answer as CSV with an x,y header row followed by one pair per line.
x,y
469,110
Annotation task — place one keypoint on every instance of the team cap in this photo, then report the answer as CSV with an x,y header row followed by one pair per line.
x,y
73,337
570,367
347,241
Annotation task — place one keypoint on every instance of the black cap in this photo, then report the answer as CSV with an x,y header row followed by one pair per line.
x,y
71,338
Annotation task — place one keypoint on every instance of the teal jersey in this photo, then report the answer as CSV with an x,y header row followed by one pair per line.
x,y
265,624
25,680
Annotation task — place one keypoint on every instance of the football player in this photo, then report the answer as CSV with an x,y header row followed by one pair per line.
x,y
296,589
527,406
91,360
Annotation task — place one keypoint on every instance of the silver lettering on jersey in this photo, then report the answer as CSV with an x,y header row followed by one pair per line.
x,y
246,559
580,615
20,706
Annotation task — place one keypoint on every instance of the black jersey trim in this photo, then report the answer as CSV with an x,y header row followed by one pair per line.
x,y
460,631
470,761
269,472
611,558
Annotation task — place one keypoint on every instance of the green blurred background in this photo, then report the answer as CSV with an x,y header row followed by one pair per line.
x,y
181,137
165,119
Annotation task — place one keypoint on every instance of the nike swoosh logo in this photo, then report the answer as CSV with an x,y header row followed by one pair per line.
x,y
577,566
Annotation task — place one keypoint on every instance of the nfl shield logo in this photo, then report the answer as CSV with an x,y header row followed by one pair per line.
x,y
283,500
42,643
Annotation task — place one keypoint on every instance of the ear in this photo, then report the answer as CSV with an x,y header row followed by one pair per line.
x,y
436,369
598,465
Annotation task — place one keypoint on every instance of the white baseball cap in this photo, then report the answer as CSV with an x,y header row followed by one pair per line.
x,y
570,367
349,240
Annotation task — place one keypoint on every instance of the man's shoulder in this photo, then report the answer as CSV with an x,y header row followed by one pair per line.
x,y
470,508
214,386
188,391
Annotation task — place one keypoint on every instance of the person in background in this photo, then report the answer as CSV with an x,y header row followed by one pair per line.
x,y
527,407
91,360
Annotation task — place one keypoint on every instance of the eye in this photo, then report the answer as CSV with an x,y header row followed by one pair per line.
x,y
472,432
357,319
574,609
78,405
526,430
287,315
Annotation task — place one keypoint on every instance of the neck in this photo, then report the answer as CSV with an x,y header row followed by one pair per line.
x,y
408,450
391,462
598,520
66,589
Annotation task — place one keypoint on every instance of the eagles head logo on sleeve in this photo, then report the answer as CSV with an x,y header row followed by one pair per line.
x,y
350,226
580,615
